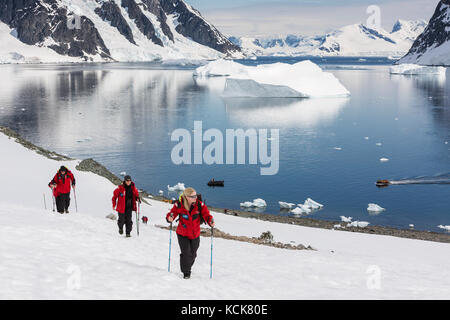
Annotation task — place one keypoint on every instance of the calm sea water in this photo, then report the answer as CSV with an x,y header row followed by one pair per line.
x,y
122,116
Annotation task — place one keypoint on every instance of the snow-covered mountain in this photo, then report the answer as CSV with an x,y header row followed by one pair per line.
x,y
107,30
432,47
351,40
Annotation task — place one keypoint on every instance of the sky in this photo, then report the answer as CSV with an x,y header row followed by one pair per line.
x,y
304,17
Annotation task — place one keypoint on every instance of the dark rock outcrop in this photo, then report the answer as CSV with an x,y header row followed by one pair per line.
x,y
191,24
35,23
435,34
142,22
110,11
48,23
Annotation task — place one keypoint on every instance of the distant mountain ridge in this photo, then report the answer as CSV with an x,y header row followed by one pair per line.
x,y
351,40
115,30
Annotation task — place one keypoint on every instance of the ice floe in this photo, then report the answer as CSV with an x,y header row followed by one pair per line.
x,y
414,69
304,79
447,228
257,203
358,224
286,205
372,207
176,188
346,219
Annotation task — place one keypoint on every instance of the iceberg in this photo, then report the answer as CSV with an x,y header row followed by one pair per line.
x,y
374,208
447,228
286,205
176,188
313,204
415,69
346,219
358,224
297,211
257,203
304,79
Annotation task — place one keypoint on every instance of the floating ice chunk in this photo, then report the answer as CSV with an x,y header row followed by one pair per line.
x,y
305,209
366,138
337,226
414,69
379,144
286,205
411,226
176,188
375,208
447,228
346,219
123,173
297,211
384,159
358,224
161,192
258,203
313,204
302,79
338,148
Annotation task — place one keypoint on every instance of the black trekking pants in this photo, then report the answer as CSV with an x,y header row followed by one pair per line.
x,y
62,202
188,254
126,219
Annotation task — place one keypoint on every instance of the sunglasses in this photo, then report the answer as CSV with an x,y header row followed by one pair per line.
x,y
192,197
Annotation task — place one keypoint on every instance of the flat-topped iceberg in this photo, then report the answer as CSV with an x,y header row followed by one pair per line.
x,y
415,69
304,79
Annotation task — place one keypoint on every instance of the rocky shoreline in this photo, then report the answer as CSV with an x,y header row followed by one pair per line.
x,y
93,166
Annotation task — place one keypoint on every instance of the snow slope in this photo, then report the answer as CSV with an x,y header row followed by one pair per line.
x,y
12,50
81,256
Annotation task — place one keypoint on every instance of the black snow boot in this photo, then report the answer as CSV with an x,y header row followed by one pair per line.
x,y
67,210
120,231
187,276
128,235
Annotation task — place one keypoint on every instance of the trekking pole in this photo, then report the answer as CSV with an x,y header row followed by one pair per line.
x,y
170,244
211,269
75,197
54,201
45,203
137,217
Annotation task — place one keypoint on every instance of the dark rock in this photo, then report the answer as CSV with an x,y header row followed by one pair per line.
x,y
193,25
110,11
435,34
142,22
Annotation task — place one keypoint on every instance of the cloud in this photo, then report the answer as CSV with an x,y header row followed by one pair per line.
x,y
311,18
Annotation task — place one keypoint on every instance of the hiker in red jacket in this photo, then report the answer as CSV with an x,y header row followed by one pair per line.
x,y
191,211
124,202
61,185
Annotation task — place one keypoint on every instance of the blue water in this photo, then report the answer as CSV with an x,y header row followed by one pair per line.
x,y
122,116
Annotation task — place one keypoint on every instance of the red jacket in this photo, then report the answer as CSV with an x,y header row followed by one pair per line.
x,y
189,224
119,198
63,183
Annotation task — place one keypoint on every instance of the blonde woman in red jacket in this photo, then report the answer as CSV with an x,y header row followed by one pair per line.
x,y
191,211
